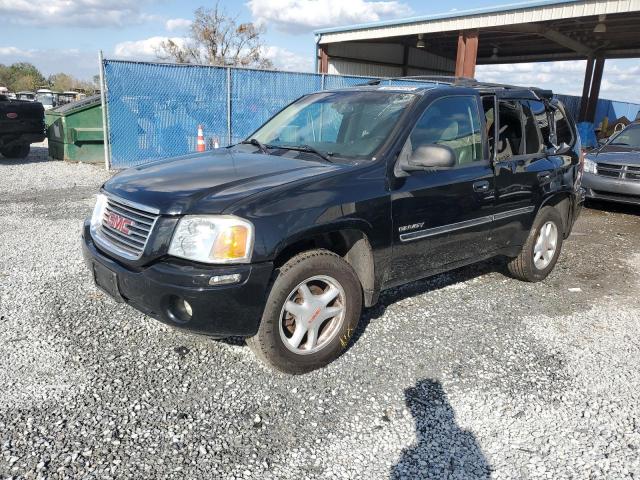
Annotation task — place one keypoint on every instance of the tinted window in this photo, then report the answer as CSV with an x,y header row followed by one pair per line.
x,y
454,122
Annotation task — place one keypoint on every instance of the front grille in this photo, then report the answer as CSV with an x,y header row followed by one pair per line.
x,y
609,170
625,172
125,228
633,173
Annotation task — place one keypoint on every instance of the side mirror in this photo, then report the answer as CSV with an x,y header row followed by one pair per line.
x,y
427,157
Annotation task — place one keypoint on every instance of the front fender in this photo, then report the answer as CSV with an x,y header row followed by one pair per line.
x,y
316,230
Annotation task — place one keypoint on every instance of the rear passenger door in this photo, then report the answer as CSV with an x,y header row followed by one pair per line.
x,y
522,170
443,216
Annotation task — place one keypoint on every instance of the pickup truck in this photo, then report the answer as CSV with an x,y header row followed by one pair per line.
x,y
21,124
286,236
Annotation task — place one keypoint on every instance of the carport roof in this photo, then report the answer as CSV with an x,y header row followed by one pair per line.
x,y
448,15
541,30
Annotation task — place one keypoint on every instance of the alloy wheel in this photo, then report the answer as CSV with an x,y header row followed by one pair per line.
x,y
312,314
545,247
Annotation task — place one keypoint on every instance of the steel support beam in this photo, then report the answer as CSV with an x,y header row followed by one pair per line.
x,y
551,34
324,59
471,54
595,89
467,55
586,89
460,55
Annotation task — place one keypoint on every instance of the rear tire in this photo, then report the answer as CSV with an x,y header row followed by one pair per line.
x,y
17,151
540,252
312,311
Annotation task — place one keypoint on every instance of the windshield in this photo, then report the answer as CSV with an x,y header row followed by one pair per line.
x,y
45,98
344,124
629,137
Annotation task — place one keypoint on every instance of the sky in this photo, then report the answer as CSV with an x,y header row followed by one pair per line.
x,y
66,35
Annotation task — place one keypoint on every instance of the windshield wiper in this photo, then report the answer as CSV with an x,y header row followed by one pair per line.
x,y
620,143
309,149
257,143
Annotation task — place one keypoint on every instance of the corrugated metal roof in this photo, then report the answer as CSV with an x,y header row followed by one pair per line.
x,y
452,14
522,12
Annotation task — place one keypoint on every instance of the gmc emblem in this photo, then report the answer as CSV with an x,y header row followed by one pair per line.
x,y
12,115
119,223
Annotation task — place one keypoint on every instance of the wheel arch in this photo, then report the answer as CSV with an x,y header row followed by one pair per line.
x,y
349,241
562,202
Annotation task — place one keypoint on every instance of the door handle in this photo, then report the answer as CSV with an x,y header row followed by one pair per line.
x,y
481,187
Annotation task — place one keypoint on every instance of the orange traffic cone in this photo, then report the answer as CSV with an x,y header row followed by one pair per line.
x,y
201,147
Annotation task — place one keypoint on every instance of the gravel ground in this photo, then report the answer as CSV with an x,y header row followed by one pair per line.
x,y
465,375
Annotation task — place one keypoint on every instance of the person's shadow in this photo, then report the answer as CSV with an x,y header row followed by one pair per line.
x,y
442,450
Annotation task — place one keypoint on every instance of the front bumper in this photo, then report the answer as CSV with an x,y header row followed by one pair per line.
x,y
612,189
159,290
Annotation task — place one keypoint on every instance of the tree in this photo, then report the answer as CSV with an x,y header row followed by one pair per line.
x,y
217,39
24,76
21,76
62,82
5,77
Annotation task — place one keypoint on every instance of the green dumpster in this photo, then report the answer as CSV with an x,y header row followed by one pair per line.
x,y
75,132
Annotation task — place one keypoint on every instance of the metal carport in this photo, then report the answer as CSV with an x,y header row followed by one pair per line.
x,y
454,43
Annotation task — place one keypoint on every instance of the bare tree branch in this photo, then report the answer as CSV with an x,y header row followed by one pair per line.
x,y
217,39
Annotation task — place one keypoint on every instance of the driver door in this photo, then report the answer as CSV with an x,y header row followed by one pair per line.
x,y
443,216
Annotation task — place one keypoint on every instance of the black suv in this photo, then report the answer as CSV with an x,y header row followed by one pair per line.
x,y
283,238
21,124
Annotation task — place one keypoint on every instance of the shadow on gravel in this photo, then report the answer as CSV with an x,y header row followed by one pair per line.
x,y
420,287
36,155
442,450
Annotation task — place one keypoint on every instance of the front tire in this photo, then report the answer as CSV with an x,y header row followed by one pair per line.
x,y
312,311
17,151
540,252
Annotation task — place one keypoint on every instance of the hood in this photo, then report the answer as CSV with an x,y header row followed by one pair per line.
x,y
211,182
616,155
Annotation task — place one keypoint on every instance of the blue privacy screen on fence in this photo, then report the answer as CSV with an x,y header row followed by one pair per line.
x,y
153,110
257,95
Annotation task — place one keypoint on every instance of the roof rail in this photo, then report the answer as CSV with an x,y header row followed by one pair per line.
x,y
463,81
448,79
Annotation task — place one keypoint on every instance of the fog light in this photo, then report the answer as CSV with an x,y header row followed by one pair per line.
x,y
224,279
187,308
178,309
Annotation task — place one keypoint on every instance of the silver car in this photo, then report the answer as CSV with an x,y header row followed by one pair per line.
x,y
612,172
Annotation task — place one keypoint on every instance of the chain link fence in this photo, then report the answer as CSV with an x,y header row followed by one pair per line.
x,y
154,109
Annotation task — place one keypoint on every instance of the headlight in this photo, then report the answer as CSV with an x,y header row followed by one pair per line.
x,y
213,239
98,211
590,166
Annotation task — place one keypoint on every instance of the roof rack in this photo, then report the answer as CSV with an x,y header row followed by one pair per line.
x,y
448,79
464,82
